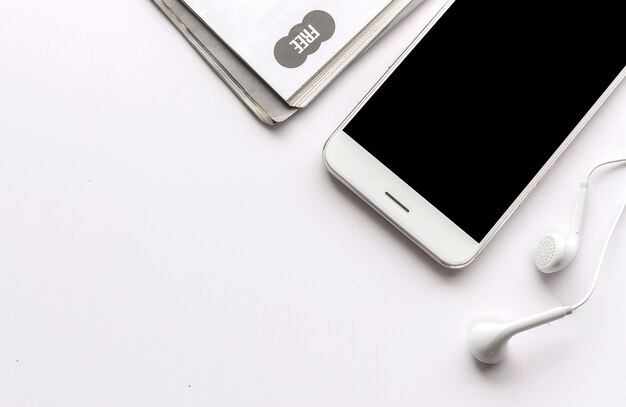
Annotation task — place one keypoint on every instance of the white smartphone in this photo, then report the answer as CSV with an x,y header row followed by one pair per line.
x,y
466,122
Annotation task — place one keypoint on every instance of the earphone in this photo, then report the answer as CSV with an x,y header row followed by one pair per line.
x,y
488,340
554,252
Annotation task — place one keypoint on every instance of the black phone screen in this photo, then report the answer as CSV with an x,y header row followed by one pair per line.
x,y
490,93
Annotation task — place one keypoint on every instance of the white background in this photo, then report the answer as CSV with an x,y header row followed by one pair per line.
x,y
160,246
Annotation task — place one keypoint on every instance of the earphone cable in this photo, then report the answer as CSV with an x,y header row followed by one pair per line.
x,y
623,160
604,248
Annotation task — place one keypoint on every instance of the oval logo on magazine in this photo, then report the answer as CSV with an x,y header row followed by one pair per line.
x,y
304,39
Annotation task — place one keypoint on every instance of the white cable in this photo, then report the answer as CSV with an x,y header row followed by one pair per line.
x,y
623,160
604,248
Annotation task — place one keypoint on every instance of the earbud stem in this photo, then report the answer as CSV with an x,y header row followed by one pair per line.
x,y
532,321
579,213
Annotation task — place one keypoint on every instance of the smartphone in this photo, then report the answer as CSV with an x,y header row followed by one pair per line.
x,y
477,109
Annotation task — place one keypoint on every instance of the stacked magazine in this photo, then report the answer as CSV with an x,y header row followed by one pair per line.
x,y
277,55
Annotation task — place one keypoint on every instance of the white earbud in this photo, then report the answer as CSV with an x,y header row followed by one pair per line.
x,y
554,252
488,340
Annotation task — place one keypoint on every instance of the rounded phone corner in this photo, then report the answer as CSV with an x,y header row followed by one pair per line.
x,y
327,152
452,262
459,265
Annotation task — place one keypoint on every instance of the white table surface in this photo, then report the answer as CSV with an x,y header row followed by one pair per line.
x,y
161,247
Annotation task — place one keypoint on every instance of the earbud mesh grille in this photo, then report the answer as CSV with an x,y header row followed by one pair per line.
x,y
545,251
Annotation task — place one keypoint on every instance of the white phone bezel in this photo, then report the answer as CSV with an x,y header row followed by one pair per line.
x,y
424,224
